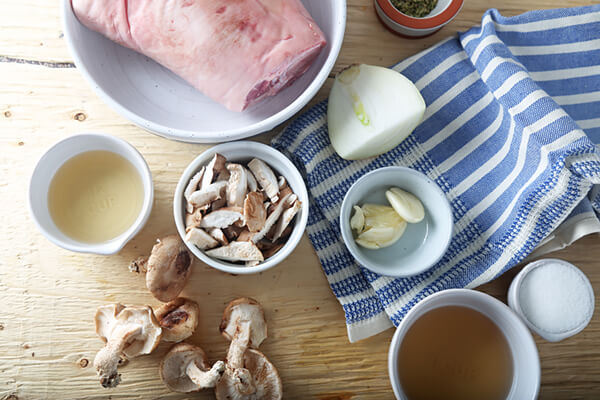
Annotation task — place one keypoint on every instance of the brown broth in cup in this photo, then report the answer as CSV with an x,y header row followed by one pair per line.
x,y
455,352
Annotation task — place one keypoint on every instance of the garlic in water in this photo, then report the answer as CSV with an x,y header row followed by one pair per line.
x,y
371,110
376,226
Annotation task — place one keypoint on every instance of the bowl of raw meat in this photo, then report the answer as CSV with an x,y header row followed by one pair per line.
x,y
205,70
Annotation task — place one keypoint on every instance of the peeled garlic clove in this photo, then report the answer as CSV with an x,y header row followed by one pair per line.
x,y
380,215
357,222
363,114
380,237
406,204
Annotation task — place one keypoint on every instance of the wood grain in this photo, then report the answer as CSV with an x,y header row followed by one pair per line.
x,y
48,296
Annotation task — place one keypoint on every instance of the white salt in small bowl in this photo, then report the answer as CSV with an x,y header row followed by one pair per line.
x,y
553,297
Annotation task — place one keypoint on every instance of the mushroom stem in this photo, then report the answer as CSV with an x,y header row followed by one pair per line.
x,y
243,381
108,358
205,379
238,346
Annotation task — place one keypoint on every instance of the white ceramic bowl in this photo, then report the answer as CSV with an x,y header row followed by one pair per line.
x,y
515,303
49,164
526,363
244,151
156,99
443,13
423,243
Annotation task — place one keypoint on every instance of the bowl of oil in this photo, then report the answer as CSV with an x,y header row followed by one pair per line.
x,y
91,193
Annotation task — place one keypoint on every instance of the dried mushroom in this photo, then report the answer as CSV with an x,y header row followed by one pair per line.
x,y
178,319
167,269
204,197
265,177
191,187
201,239
214,167
128,332
237,185
248,373
256,379
185,369
237,251
228,203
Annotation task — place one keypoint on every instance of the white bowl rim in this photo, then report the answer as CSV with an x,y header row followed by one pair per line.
x,y
191,136
299,226
403,170
515,304
515,322
114,245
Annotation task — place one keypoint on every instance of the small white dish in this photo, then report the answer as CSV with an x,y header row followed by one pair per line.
x,y
49,164
406,25
159,101
514,299
244,151
423,243
526,362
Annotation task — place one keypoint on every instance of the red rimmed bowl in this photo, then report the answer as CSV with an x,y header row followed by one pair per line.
x,y
404,24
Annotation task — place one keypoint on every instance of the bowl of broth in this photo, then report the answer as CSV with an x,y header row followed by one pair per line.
x,y
91,193
463,344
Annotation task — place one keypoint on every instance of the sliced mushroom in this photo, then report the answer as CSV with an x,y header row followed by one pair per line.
x,y
237,186
245,236
237,251
223,176
201,239
286,218
204,197
218,204
255,213
281,183
272,250
219,236
191,187
178,319
272,219
128,332
216,165
185,369
256,379
169,267
252,184
193,220
222,218
265,177
233,232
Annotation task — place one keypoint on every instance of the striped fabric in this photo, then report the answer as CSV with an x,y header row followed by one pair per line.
x,y
513,112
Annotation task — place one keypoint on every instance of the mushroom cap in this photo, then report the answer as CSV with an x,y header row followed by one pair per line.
x,y
244,309
173,367
169,267
265,379
109,317
178,319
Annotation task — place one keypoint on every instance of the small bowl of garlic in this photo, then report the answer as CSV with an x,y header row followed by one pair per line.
x,y
395,221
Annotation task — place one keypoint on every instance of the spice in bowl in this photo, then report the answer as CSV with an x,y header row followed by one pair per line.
x,y
554,298
414,8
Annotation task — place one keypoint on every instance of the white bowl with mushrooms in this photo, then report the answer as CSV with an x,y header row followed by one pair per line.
x,y
241,207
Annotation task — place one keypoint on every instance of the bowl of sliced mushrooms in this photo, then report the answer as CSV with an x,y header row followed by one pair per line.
x,y
241,207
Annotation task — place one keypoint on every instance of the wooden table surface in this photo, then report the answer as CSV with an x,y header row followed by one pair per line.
x,y
48,296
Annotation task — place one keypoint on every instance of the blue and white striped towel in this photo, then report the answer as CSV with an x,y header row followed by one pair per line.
x,y
511,108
